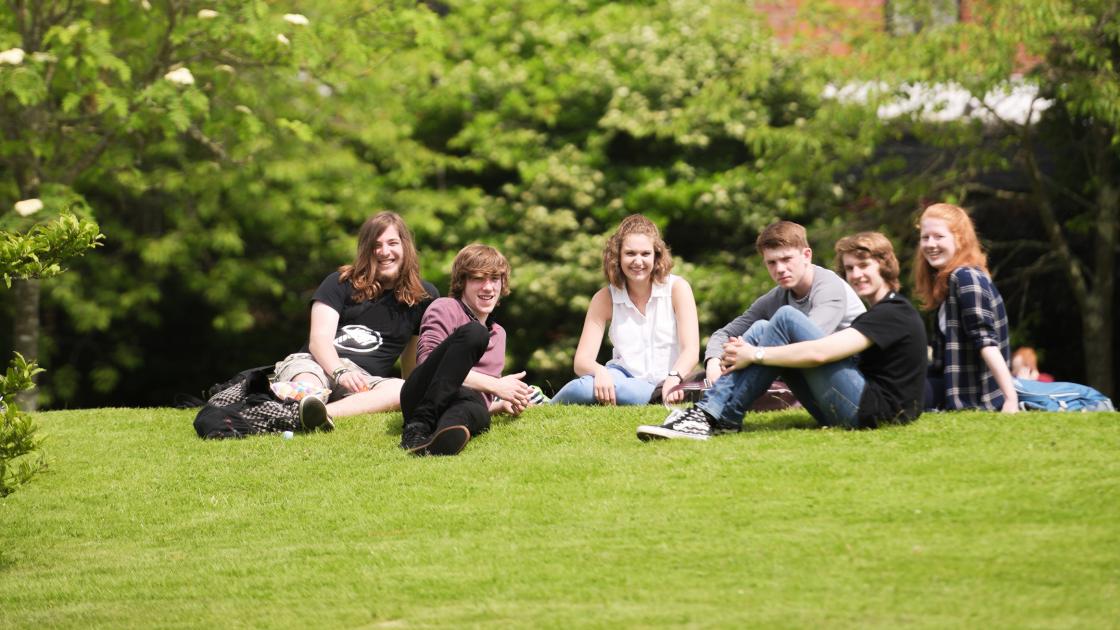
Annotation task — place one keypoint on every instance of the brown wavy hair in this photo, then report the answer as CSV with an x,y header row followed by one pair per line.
x,y
931,285
612,251
478,260
362,273
866,245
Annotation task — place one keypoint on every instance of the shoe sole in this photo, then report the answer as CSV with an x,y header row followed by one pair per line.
x,y
652,432
446,441
313,415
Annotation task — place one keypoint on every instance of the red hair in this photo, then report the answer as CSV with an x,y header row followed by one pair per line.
x,y
931,285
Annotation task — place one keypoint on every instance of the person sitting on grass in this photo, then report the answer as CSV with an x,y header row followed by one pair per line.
x,y
815,291
458,379
363,317
972,348
866,375
1024,365
653,324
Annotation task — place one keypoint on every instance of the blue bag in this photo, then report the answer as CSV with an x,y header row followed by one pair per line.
x,y
1039,396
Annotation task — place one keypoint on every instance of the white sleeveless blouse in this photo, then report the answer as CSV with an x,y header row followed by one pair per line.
x,y
647,345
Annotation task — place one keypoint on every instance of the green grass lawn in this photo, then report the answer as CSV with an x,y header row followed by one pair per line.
x,y
563,518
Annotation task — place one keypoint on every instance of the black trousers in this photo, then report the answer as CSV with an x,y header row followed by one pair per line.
x,y
434,395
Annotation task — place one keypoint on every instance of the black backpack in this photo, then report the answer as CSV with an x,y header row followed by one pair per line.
x,y
245,405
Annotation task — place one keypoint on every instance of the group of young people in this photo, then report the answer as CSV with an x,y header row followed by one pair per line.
x,y
850,346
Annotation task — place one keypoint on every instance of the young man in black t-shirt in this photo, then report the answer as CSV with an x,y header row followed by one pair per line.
x,y
363,317
860,377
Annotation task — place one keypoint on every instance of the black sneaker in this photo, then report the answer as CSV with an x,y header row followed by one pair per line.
x,y
313,415
449,440
446,441
690,424
415,437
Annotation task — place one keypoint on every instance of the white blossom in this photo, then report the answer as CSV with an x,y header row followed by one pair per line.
x,y
144,4
28,207
180,76
297,19
283,40
207,14
12,56
43,57
243,109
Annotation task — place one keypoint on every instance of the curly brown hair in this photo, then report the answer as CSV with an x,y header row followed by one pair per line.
x,y
362,273
931,285
612,251
870,245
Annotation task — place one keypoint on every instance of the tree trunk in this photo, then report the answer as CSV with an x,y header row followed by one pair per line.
x,y
1097,319
26,333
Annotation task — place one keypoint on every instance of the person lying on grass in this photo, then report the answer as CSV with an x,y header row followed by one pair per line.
x,y
363,317
458,379
653,324
868,374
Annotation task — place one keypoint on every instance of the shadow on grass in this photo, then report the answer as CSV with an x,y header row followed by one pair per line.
x,y
794,419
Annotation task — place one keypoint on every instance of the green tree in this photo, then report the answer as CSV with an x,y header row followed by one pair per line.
x,y
1064,156
188,129
538,126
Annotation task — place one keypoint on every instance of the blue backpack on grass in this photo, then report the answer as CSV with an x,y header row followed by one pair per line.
x,y
1039,396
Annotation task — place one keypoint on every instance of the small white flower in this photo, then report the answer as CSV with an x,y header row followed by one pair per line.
x,y
243,109
28,207
180,76
283,40
297,19
207,14
43,57
12,56
144,4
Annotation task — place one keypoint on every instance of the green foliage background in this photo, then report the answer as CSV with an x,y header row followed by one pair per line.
x,y
532,126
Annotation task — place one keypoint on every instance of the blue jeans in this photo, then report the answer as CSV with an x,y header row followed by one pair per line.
x,y
830,392
627,389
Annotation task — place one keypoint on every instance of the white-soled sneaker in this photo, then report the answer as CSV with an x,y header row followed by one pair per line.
x,y
690,424
313,415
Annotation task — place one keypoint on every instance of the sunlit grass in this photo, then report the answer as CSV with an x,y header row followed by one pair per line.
x,y
563,518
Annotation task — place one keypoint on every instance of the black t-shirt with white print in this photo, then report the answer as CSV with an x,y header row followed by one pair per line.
x,y
372,333
895,365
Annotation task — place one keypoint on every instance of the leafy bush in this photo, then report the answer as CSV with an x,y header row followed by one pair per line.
x,y
36,253
20,456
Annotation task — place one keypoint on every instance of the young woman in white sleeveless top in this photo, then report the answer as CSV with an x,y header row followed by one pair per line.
x,y
653,325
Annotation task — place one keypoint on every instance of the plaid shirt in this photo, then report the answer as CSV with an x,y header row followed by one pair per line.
x,y
974,318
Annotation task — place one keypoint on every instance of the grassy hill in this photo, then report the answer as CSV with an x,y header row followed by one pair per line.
x,y
562,518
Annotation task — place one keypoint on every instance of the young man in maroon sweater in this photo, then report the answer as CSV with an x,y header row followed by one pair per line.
x,y
458,380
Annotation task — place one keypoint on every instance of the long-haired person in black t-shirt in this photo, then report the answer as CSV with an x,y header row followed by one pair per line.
x,y
859,377
363,317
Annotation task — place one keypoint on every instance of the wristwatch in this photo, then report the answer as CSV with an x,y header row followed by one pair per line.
x,y
759,354
676,374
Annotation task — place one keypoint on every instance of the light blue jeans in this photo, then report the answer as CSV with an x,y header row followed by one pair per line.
x,y
627,389
829,392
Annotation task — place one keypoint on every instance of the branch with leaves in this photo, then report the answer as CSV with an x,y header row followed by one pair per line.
x,y
41,252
